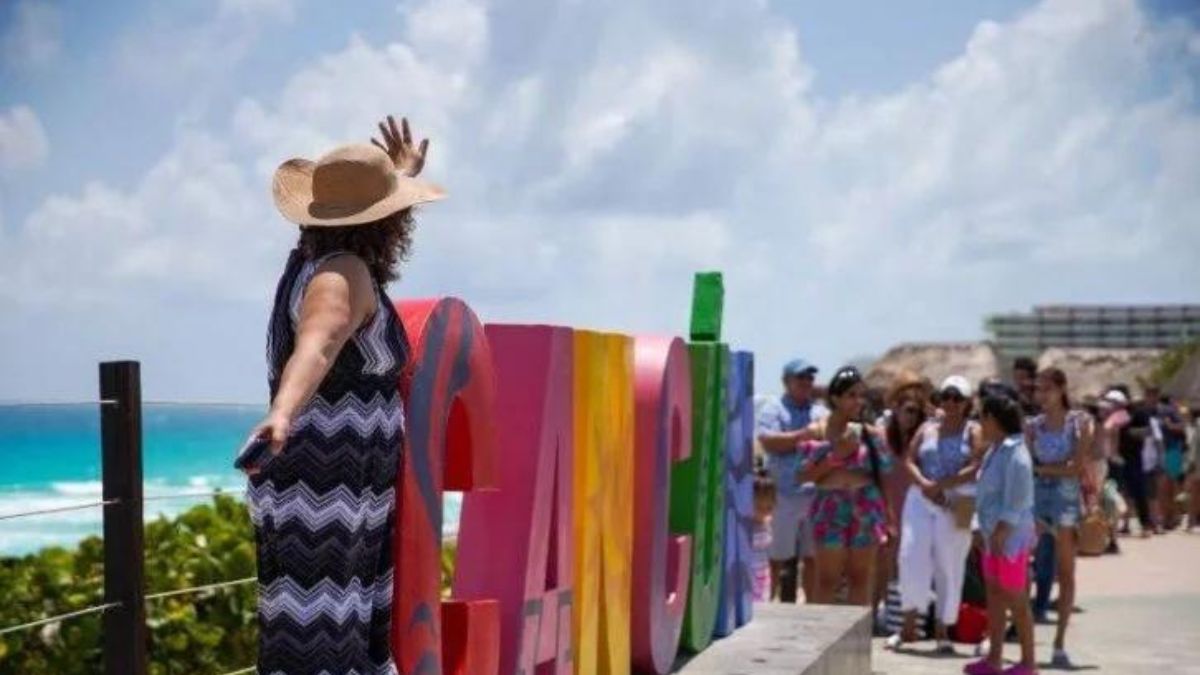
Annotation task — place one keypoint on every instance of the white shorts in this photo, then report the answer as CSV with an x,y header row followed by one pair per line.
x,y
791,528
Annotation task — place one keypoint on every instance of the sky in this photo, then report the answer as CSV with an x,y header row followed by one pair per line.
x,y
863,173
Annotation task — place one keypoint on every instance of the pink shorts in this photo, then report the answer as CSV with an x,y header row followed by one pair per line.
x,y
1009,573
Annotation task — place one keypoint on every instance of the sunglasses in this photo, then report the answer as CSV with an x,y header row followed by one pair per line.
x,y
953,397
910,410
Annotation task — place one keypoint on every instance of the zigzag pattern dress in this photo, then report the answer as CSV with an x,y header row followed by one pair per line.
x,y
324,510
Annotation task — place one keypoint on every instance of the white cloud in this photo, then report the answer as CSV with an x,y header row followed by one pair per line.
x,y
34,36
166,51
23,141
192,224
597,155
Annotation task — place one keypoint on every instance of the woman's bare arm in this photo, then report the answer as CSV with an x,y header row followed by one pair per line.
x,y
339,298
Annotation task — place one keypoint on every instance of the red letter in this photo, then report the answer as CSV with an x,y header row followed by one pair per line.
x,y
448,390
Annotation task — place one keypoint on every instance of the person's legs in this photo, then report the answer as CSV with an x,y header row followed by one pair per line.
x,y
861,573
784,531
787,579
916,561
950,546
997,615
885,571
1135,484
1022,615
808,578
1153,493
1065,546
831,568
1043,572
806,547
1168,490
1193,481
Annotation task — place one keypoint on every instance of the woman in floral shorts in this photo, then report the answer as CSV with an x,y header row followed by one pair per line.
x,y
849,514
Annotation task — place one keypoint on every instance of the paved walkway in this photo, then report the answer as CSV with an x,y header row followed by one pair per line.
x,y
1140,614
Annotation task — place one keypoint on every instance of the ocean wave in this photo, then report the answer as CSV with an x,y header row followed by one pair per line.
x,y
82,488
64,528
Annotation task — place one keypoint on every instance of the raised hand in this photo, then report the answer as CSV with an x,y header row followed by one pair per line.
x,y
398,144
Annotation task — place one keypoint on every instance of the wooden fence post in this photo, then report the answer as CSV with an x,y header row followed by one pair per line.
x,y
124,574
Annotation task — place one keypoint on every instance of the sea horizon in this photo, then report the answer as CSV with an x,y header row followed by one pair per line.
x,y
50,458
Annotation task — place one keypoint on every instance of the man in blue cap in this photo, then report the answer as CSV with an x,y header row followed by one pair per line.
x,y
781,423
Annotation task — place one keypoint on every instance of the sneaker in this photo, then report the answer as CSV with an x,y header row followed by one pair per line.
x,y
1041,619
981,667
1010,635
945,648
1019,669
894,642
1061,660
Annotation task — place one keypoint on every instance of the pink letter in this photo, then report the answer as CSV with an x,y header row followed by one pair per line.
x,y
515,544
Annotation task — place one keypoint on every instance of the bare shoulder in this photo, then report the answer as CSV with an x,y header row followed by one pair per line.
x,y
344,281
347,266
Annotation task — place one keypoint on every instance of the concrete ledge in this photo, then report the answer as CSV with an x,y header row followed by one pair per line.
x,y
791,640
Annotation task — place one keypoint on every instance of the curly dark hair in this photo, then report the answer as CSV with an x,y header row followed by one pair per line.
x,y
381,244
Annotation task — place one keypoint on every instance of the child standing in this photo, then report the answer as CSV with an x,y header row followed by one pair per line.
x,y
760,568
1005,510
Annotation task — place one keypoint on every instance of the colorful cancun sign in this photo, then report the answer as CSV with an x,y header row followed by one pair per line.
x,y
607,478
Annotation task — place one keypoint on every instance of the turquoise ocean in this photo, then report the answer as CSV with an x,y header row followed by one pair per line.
x,y
50,457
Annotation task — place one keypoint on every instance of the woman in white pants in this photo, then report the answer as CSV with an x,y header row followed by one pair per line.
x,y
942,461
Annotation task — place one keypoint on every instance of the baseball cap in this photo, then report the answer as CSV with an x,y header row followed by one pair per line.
x,y
957,383
797,367
1116,397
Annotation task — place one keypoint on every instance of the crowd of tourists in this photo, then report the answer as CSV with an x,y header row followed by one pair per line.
x,y
942,508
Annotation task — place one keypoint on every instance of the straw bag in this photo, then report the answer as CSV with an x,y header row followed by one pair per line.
x,y
1093,534
963,509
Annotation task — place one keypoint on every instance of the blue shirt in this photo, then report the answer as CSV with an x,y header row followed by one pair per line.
x,y
782,415
1054,446
943,456
1005,493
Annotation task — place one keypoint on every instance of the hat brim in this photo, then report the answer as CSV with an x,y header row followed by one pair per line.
x,y
810,371
292,189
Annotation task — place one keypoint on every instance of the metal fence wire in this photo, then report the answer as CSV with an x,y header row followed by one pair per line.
x,y
60,617
125,632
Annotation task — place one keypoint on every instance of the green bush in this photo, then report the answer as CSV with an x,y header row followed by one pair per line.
x,y
194,634
208,632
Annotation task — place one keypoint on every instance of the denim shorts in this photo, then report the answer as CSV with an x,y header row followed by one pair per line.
x,y
1057,502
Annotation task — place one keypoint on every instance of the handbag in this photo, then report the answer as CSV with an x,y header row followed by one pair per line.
x,y
972,625
963,509
1093,534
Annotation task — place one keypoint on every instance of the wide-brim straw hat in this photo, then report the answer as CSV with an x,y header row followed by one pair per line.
x,y
350,185
907,381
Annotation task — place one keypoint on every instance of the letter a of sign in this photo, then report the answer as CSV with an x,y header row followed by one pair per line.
x,y
515,543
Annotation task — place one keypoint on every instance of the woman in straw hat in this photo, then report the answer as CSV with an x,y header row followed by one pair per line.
x,y
907,408
323,502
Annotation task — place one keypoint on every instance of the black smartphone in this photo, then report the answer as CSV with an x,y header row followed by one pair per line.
x,y
255,454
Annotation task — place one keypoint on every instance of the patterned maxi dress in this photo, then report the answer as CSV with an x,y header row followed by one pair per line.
x,y
324,510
